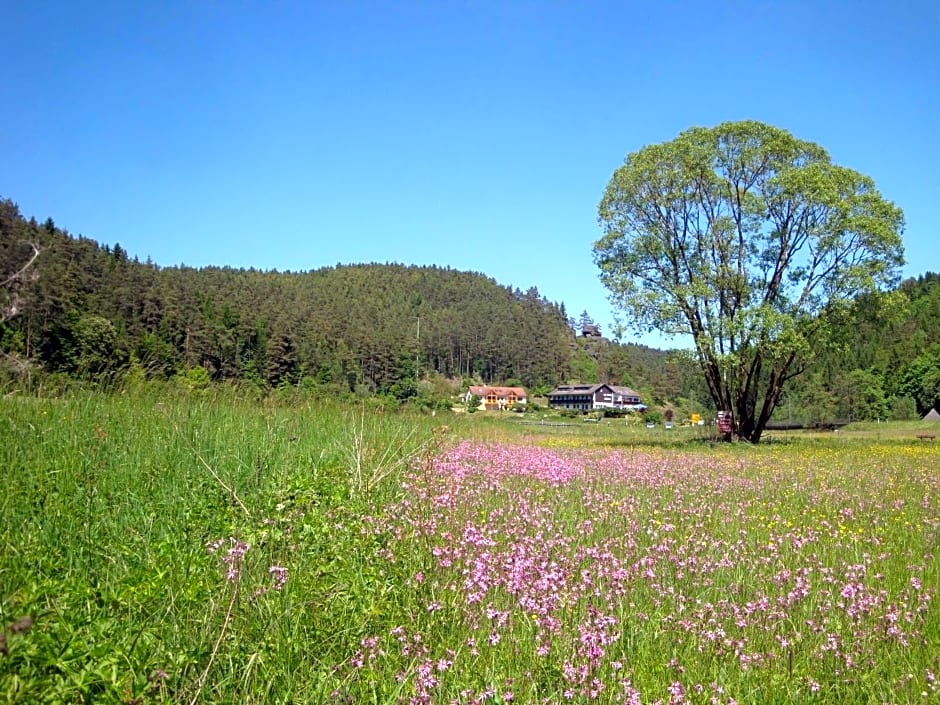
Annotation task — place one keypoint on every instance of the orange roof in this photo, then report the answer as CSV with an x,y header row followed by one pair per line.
x,y
483,390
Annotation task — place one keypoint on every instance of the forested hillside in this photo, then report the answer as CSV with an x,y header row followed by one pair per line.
x,y
92,312
88,310
885,361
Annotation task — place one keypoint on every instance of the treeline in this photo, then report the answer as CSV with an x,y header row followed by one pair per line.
x,y
89,311
883,361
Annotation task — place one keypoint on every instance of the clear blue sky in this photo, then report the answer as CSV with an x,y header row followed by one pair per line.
x,y
475,135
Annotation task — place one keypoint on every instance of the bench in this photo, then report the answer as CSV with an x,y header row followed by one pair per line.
x,y
926,436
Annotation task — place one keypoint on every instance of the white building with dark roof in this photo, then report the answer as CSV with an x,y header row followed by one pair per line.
x,y
587,397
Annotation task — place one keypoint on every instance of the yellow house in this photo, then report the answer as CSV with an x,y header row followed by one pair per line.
x,y
496,398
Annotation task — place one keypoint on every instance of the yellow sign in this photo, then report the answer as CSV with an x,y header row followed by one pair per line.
x,y
696,418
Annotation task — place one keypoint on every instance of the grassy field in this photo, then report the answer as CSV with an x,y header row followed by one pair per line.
x,y
165,547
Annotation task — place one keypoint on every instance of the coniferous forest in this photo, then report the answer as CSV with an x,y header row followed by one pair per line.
x,y
91,312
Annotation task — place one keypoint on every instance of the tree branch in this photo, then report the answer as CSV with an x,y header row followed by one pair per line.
x,y
16,275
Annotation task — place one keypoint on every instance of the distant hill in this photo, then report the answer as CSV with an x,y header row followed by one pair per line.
x,y
89,309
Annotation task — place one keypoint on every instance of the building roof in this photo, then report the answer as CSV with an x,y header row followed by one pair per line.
x,y
483,390
932,415
624,391
576,389
590,389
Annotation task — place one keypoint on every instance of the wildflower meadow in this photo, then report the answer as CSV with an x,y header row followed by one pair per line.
x,y
192,549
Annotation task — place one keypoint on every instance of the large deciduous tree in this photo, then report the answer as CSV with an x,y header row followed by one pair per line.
x,y
744,237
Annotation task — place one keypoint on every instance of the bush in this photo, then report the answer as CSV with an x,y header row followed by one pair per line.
x,y
195,378
903,409
473,404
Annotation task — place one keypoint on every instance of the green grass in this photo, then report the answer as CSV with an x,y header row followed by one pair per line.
x,y
106,507
109,505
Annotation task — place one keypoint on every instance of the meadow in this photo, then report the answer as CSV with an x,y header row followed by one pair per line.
x,y
160,546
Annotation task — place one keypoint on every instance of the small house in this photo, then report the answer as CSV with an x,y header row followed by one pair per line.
x,y
496,398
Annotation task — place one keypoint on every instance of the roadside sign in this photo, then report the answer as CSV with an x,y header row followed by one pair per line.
x,y
724,422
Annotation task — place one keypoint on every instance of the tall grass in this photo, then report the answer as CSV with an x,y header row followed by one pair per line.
x,y
160,546
108,504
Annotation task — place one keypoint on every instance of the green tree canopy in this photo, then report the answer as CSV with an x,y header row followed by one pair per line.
x,y
742,236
